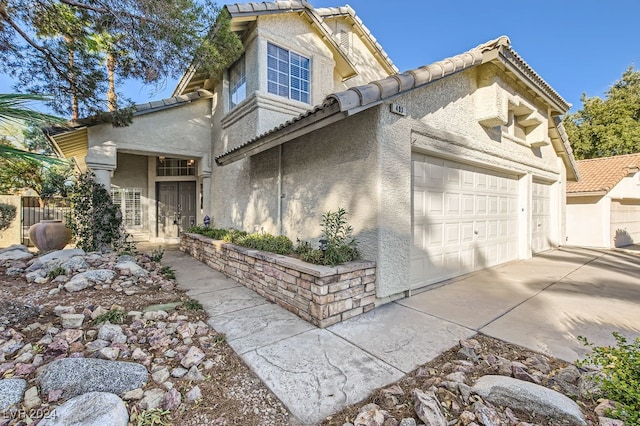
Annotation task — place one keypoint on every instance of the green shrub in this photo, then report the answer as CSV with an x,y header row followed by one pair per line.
x,y
340,244
7,215
266,242
168,272
55,272
193,305
114,316
157,255
95,221
620,381
234,235
216,234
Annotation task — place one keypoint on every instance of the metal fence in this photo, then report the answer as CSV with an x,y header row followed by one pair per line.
x,y
35,209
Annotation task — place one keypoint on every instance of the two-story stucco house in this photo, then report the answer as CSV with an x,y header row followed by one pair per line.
x,y
446,169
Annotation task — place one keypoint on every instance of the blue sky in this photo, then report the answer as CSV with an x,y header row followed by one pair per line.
x,y
576,46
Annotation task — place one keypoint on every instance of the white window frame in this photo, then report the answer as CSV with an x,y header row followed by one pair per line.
x,y
284,82
129,201
237,83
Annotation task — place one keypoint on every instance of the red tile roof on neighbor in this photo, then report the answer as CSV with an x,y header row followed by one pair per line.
x,y
602,174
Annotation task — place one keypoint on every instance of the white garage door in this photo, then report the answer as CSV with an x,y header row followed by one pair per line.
x,y
625,222
464,218
541,218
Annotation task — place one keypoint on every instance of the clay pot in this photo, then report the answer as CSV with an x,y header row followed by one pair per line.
x,y
49,235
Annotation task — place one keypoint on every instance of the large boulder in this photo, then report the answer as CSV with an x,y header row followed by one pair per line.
x,y
90,409
131,268
76,376
63,255
526,396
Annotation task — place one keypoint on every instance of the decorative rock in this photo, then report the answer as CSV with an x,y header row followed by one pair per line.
x,y
194,394
194,375
521,374
15,255
164,307
71,335
11,392
55,395
178,372
161,375
606,421
604,406
133,394
99,311
407,422
521,395
112,333
76,263
370,415
59,310
152,399
58,254
81,375
31,398
131,268
171,400
427,408
72,320
77,283
90,409
485,415
24,369
96,345
111,353
193,357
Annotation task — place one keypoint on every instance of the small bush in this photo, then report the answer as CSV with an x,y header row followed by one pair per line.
x,y
340,244
192,305
168,272
620,381
7,215
114,316
216,234
55,272
234,235
151,417
266,242
157,255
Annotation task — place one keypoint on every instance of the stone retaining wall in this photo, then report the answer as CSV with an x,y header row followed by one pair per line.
x,y
322,295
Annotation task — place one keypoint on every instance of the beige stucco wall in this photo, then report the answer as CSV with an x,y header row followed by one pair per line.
x,y
588,221
182,131
11,235
589,218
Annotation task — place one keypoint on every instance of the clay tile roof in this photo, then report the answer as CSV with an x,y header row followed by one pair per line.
x,y
602,174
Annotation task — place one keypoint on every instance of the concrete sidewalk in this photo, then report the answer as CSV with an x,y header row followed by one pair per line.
x,y
542,303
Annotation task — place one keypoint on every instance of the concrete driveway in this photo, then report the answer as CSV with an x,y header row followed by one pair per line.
x,y
546,302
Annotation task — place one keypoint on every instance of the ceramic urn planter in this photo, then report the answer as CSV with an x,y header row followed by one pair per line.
x,y
49,235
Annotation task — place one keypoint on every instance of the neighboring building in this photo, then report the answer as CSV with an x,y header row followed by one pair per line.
x,y
445,169
603,208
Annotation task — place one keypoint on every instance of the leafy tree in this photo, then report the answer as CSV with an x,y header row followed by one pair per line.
x,y
610,126
80,48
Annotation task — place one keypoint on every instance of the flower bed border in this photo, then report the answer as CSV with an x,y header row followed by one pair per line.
x,y
321,295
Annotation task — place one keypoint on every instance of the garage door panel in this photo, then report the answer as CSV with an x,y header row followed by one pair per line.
x,y
467,223
540,217
625,222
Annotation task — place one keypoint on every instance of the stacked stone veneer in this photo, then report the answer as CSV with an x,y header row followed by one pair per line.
x,y
322,295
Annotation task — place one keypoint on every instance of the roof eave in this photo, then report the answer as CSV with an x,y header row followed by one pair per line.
x,y
510,59
587,193
316,120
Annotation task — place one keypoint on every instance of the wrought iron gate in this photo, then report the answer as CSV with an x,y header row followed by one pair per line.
x,y
35,209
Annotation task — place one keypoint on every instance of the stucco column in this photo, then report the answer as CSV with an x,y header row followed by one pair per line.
x,y
206,196
102,161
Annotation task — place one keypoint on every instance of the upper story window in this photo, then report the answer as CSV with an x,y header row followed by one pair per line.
x,y
237,83
288,74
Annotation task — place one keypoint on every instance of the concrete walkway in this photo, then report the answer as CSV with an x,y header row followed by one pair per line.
x,y
543,303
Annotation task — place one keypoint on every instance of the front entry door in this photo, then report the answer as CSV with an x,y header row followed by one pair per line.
x,y
176,207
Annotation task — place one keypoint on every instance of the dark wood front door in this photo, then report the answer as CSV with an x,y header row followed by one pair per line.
x,y
176,207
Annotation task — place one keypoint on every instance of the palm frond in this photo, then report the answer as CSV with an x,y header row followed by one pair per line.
x,y
17,107
10,154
